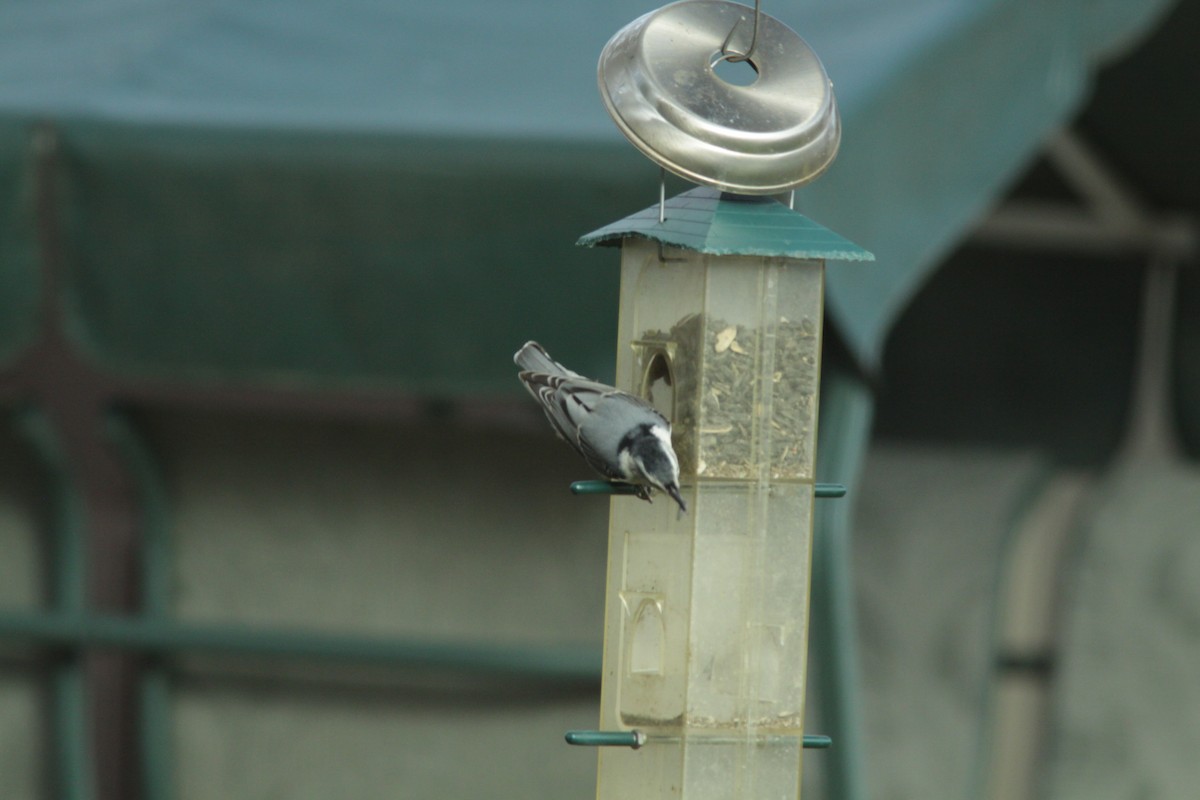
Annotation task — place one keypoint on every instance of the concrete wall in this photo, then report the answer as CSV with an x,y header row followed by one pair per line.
x,y
434,532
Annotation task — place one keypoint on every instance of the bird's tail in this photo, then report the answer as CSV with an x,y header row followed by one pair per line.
x,y
532,357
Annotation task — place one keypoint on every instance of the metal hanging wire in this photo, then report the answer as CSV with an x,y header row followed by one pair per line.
x,y
733,56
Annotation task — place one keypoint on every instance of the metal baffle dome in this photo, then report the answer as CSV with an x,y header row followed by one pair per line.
x,y
658,80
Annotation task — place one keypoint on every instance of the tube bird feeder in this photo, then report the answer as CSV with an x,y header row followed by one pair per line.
x,y
721,309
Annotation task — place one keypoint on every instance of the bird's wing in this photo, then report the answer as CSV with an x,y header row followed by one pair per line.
x,y
566,400
596,461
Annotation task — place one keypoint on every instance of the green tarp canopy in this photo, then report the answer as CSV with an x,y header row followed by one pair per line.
x,y
360,192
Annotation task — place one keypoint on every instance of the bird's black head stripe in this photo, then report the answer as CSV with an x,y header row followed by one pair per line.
x,y
628,439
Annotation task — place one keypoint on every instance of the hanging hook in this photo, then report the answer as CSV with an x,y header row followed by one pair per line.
x,y
733,56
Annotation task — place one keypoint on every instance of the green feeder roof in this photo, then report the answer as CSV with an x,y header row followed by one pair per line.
x,y
711,221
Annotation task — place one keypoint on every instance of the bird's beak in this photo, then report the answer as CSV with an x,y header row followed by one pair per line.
x,y
673,490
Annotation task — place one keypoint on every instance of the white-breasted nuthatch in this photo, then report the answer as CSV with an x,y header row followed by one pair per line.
x,y
621,436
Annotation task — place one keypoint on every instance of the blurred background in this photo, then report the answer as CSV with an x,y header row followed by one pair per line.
x,y
277,520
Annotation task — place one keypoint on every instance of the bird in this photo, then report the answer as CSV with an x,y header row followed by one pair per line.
x,y
621,436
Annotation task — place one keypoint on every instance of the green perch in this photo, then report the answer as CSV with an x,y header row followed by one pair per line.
x,y
636,739
613,487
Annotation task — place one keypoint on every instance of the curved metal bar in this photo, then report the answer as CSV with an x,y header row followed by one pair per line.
x,y
73,770
169,639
